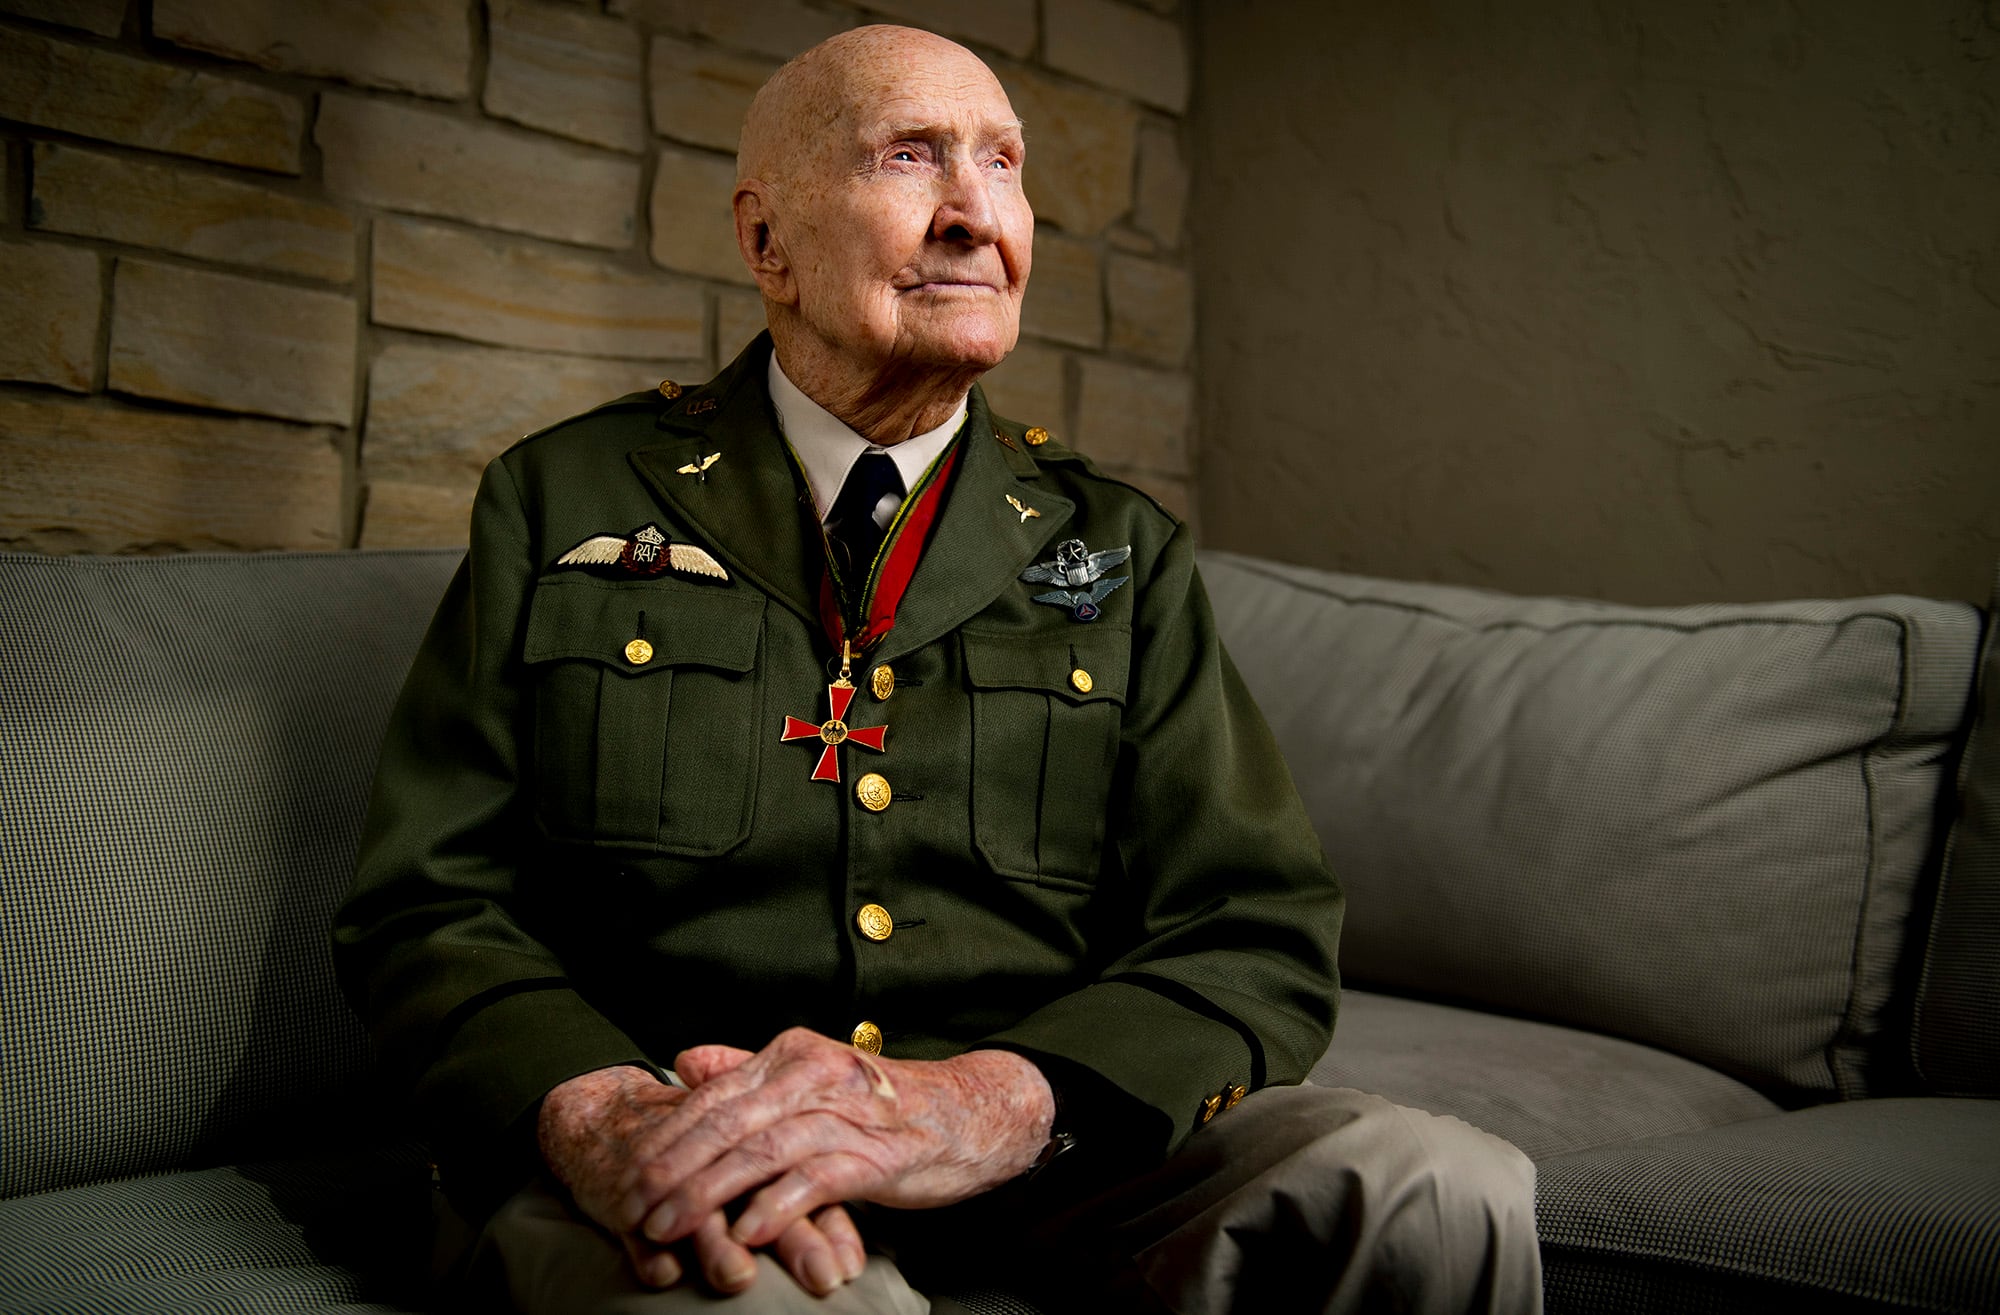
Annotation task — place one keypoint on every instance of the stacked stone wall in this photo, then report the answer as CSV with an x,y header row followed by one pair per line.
x,y
286,274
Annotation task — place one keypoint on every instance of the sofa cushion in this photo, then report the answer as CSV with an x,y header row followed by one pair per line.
x,y
1701,828
189,745
1895,1203
1957,1038
1548,1089
346,1235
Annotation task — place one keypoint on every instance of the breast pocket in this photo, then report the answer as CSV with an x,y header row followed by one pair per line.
x,y
1046,717
647,700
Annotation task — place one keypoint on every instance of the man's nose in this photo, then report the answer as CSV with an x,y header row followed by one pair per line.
x,y
966,211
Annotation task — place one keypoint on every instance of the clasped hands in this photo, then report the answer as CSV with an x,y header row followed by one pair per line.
x,y
794,1130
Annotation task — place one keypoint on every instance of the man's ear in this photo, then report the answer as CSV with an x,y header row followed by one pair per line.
x,y
757,241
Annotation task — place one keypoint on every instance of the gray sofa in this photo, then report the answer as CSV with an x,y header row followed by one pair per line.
x,y
1701,907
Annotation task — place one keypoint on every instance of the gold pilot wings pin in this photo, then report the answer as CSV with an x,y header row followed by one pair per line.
x,y
645,551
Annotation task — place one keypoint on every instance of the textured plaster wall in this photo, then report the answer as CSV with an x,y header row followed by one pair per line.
x,y
1655,300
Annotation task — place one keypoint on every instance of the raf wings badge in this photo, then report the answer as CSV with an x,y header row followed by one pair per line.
x,y
1078,574
645,551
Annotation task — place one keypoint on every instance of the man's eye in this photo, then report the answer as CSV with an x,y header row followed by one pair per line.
x,y
904,153
999,162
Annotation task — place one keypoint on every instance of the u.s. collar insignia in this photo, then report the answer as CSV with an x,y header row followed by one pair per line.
x,y
645,551
1078,574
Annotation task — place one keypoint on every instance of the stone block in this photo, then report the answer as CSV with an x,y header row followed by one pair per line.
x,y
778,28
694,229
513,294
423,46
739,317
1124,237
1065,298
438,414
1134,418
701,94
398,514
566,72
1152,308
103,17
1005,25
195,214
48,319
1080,149
1117,46
84,477
1028,386
427,162
137,102
1161,204
236,344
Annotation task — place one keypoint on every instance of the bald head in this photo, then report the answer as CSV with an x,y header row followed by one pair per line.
x,y
879,208
805,114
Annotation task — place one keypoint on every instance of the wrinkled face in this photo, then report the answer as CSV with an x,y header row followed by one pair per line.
x,y
909,236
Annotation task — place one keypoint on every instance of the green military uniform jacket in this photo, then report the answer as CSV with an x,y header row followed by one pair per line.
x,y
1093,854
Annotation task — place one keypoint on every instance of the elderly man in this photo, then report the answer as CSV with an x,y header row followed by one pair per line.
x,y
872,760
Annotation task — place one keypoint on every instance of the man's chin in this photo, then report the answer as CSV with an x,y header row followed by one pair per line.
x,y
979,346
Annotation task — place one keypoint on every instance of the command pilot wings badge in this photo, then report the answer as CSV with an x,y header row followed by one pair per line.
x,y
1079,574
645,551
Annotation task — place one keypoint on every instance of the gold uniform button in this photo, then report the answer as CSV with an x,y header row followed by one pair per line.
x,y
882,683
875,922
1235,1097
1036,436
867,1038
638,652
873,792
1081,679
1209,1105
669,389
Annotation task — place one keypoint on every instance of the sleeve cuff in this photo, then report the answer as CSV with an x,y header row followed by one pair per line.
x,y
1163,1057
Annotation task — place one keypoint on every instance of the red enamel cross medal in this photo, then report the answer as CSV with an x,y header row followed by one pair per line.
x,y
835,731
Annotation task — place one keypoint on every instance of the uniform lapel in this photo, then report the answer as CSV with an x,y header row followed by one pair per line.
x,y
749,510
982,542
746,504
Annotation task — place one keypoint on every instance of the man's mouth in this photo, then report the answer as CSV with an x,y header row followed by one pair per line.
x,y
945,283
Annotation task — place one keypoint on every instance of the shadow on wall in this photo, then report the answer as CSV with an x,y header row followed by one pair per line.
x,y
1652,301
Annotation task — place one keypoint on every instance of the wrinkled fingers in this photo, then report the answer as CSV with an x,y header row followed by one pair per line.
x,y
822,1252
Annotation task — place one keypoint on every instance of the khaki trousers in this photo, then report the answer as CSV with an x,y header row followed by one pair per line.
x,y
1300,1199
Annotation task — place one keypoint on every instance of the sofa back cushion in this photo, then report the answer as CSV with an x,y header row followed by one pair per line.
x,y
1957,1041
1702,827
185,750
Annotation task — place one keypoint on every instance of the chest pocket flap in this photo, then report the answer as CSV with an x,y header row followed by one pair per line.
x,y
652,743
1046,716
686,625
1087,666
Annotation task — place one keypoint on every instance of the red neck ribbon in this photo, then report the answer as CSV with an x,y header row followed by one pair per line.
x,y
892,577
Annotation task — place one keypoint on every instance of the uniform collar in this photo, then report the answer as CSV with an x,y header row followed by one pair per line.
x,y
751,512
828,449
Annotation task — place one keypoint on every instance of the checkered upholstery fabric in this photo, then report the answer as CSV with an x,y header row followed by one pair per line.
x,y
344,1236
1548,1089
1957,1040
1893,1203
1701,828
188,745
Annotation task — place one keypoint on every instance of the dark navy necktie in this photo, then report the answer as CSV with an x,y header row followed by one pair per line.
x,y
851,527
